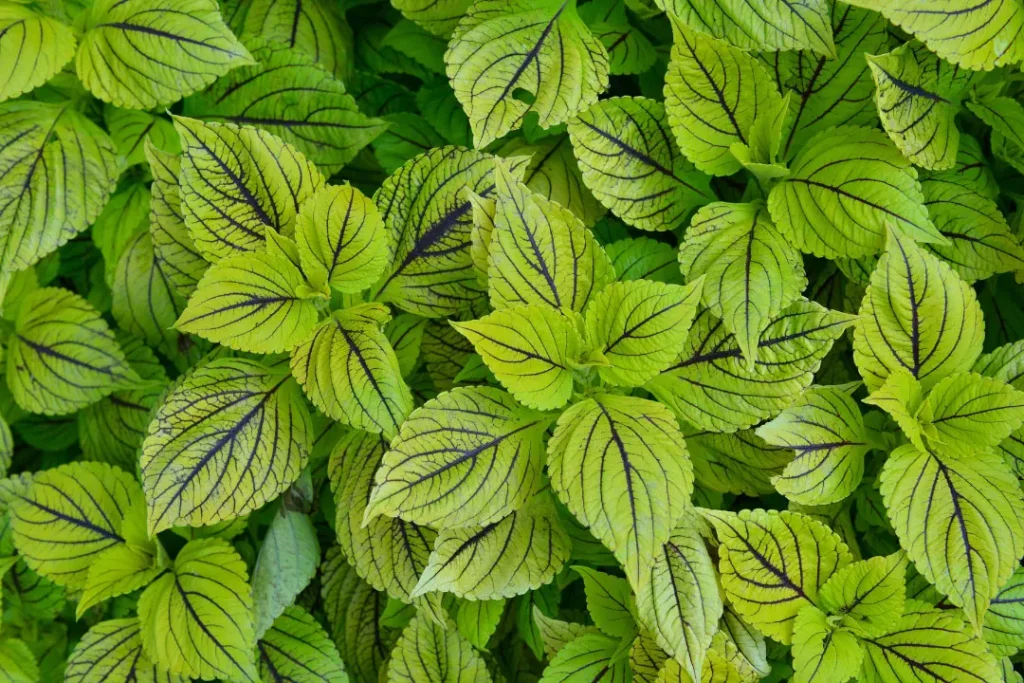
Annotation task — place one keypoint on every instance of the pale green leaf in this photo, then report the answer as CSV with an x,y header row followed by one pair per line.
x,y
478,620
555,633
124,216
286,564
825,429
123,568
502,47
967,412
619,464
773,564
17,663
590,657
868,594
437,16
748,640
469,457
901,396
297,650
646,659
609,602
59,169
210,456
1004,115
643,258
1004,621
62,356
314,27
845,186
630,160
133,130
144,54
146,302
532,350
111,652
33,48
738,462
429,653
710,386
405,334
751,271
197,618
32,596
908,287
713,94
821,651
237,183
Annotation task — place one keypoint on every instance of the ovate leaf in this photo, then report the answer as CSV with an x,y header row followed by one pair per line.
x,y
967,412
643,258
296,649
133,130
821,651
146,302
589,657
504,47
440,18
197,618
314,28
478,620
286,564
868,594
111,652
147,54
846,185
619,464
739,462
901,396
609,602
228,438
431,652
1004,621
555,633
34,48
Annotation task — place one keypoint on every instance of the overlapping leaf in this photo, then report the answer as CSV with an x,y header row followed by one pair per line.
x,y
297,649
821,651
33,46
868,594
768,25
111,652
431,652
314,28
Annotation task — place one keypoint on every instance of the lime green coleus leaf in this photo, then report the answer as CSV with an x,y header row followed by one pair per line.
x,y
321,120
209,456
531,349
111,652
773,564
540,252
197,618
316,29
469,457
389,553
930,646
869,594
297,649
968,411
42,142
17,662
123,217
509,557
971,35
1005,363
643,258
62,356
846,185
1004,621
821,651
738,462
144,55
956,515
825,428
478,620
646,659
132,130
633,499
349,370
34,47
916,314
589,657
713,94
285,565
555,633
751,271
678,600
918,97
630,161
639,326
237,183
146,302
768,25
431,652
901,395
503,47
609,602
710,386
440,17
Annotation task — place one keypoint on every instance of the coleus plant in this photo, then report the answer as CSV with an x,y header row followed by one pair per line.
x,y
511,340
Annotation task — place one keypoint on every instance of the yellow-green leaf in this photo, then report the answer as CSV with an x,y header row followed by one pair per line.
x,y
33,47
968,412
297,650
868,594
431,652
822,652
589,657
111,652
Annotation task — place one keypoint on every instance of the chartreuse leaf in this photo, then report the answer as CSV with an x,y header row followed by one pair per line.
x,y
285,565
349,370
316,29
145,302
845,186
955,513
6,447
713,94
33,46
237,183
469,457
589,657
111,652
133,130
532,350
440,17
62,355
555,633
296,649
144,55
646,659
197,617
428,651
504,47
17,662
901,396
540,252
825,429
678,600
968,411
341,239
739,462
930,646
971,35
609,602
868,594
768,25
821,651
389,553
643,258
516,554
916,314
478,620
123,217
229,437
629,160
1005,363
710,386
619,464
321,120
1004,621
751,271
639,326
773,564
58,170
918,96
